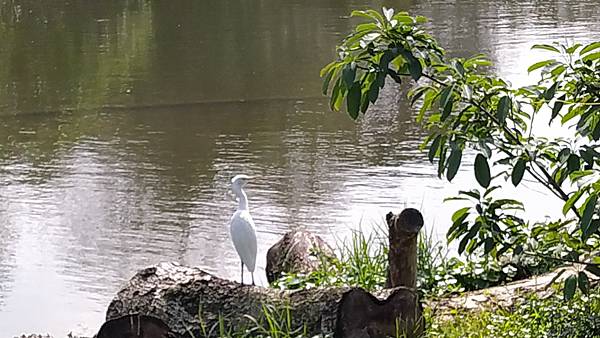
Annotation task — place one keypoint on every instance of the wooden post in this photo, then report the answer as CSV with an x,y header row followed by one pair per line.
x,y
402,257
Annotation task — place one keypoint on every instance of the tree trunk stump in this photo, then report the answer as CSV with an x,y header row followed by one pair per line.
x,y
403,232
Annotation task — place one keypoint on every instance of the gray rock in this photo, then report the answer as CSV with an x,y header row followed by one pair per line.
x,y
297,252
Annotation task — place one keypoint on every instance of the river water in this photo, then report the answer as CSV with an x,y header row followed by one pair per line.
x,y
122,122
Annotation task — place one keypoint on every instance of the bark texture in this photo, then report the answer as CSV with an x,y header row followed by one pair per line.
x,y
134,326
183,296
296,251
403,231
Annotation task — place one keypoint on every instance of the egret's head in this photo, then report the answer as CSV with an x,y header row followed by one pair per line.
x,y
239,181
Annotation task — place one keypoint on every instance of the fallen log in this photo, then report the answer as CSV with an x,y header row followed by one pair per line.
x,y
189,300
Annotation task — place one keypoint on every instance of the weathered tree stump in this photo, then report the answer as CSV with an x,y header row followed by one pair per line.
x,y
296,252
185,298
403,231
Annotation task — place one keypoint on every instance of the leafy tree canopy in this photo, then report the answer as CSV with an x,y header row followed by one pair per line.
x,y
461,107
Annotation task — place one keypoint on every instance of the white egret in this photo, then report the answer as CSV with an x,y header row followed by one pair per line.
x,y
241,227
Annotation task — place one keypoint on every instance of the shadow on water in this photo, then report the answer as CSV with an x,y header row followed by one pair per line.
x,y
121,123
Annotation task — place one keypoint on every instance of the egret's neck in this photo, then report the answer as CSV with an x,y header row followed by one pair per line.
x,y
243,199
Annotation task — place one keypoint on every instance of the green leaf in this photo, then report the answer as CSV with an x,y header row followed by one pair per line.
x,y
592,229
588,211
353,100
591,57
503,108
488,246
540,64
549,93
583,282
364,102
448,108
471,193
463,244
373,91
518,171
546,47
590,47
349,73
326,81
568,116
434,148
420,19
337,96
453,163
414,65
558,70
458,214
573,163
459,67
482,171
572,200
446,101
557,107
570,286
327,68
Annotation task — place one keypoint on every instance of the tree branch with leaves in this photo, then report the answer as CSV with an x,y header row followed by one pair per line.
x,y
464,108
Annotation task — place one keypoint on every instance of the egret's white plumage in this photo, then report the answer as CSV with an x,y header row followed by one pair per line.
x,y
241,227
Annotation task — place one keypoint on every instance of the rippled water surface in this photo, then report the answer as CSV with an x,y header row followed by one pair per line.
x,y
122,122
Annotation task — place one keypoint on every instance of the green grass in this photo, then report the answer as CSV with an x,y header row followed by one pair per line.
x,y
533,317
362,262
274,322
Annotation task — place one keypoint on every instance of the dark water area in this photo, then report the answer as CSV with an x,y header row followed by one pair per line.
x,y
122,122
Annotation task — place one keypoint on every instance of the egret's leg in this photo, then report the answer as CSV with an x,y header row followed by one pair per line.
x,y
242,273
252,274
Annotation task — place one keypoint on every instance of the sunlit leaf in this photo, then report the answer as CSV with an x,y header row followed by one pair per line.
x,y
460,213
591,57
592,46
540,64
572,200
546,47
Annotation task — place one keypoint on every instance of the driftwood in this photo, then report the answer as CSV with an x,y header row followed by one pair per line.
x,y
295,252
191,301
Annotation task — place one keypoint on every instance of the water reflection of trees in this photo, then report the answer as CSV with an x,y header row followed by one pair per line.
x,y
69,55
